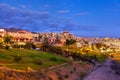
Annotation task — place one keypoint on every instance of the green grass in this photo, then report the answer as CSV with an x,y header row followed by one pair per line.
x,y
28,58
87,52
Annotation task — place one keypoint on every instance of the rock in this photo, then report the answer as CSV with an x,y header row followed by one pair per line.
x,y
70,60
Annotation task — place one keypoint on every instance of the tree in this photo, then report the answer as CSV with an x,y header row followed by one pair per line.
x,y
30,45
7,39
85,42
57,40
70,42
98,45
45,44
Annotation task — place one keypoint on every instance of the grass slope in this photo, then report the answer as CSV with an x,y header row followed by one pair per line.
x,y
29,58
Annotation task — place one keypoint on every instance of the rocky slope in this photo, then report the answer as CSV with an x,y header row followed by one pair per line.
x,y
74,71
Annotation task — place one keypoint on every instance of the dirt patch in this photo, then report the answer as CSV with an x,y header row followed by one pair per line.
x,y
70,72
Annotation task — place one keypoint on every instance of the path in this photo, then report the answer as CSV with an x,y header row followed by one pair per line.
x,y
103,72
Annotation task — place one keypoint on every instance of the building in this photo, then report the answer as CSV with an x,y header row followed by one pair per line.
x,y
21,36
2,32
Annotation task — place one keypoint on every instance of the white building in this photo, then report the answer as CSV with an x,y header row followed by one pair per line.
x,y
2,32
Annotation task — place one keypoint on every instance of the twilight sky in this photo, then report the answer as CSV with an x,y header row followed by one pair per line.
x,y
86,18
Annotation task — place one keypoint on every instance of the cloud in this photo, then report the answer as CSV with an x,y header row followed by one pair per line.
x,y
63,11
7,11
23,6
10,15
82,14
35,14
38,20
89,28
76,27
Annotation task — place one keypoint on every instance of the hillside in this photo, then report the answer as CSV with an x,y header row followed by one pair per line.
x,y
17,64
24,58
75,71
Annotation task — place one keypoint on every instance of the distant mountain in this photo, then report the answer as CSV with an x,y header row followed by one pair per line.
x,y
12,29
15,30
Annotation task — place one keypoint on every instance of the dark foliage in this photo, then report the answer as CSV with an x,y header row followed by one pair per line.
x,y
30,45
7,47
17,58
37,61
70,42
54,59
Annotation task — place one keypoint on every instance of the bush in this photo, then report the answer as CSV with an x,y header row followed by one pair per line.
x,y
37,61
54,59
74,68
17,58
70,42
7,47
101,58
16,46
60,78
30,45
54,49
66,76
1,46
82,75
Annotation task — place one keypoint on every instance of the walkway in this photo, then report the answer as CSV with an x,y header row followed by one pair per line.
x,y
103,72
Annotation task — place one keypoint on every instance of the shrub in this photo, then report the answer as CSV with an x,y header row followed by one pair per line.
x,y
66,76
37,61
74,68
71,72
30,45
54,49
17,58
16,46
70,42
101,58
82,75
1,46
54,59
60,78
7,47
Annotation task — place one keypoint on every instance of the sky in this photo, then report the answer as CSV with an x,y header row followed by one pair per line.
x,y
84,18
